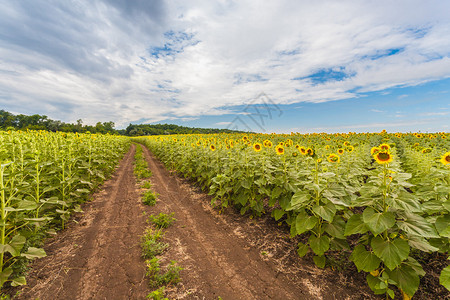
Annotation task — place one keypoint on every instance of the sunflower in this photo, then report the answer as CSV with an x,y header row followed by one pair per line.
x,y
279,149
340,151
294,154
212,147
350,148
426,150
333,158
383,157
446,158
302,150
199,143
384,147
257,147
267,144
310,152
374,150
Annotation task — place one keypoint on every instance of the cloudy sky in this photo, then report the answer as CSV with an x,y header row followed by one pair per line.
x,y
267,66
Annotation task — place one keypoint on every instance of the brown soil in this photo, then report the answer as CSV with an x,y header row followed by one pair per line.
x,y
224,254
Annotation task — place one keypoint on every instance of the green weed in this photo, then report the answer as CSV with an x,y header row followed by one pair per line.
x,y
162,220
151,244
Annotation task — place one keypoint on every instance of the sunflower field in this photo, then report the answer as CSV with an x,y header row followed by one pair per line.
x,y
382,198
44,177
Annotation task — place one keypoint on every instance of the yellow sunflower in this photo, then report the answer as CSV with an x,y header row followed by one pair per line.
x,y
340,151
279,149
302,150
374,150
350,148
310,152
257,147
446,158
212,147
426,150
333,158
384,147
383,157
267,144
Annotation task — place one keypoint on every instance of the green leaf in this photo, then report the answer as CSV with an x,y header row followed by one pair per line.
x,y
378,222
444,279
417,225
15,245
19,281
41,219
319,244
326,212
278,213
305,222
364,260
4,275
392,253
421,244
319,261
373,282
336,228
302,249
298,199
34,253
276,192
404,201
27,205
443,225
406,279
355,225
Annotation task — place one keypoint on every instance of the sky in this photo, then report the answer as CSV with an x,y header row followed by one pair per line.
x,y
263,66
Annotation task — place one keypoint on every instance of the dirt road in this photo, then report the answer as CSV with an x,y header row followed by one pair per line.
x,y
223,255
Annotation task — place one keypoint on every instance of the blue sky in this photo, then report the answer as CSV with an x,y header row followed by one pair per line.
x,y
266,66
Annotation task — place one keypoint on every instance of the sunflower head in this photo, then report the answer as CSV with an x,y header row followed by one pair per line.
x,y
340,151
212,147
384,147
446,158
294,154
267,144
374,150
426,150
310,152
257,147
302,150
333,158
383,157
350,148
279,149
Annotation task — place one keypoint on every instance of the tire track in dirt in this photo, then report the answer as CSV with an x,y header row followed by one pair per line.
x,y
98,257
216,262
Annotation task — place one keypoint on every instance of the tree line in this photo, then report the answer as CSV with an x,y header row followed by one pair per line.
x,y
9,121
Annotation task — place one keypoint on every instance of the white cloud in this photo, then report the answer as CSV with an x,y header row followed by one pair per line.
x,y
93,60
223,123
435,114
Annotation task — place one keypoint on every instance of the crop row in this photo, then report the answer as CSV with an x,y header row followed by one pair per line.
x,y
383,198
44,177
